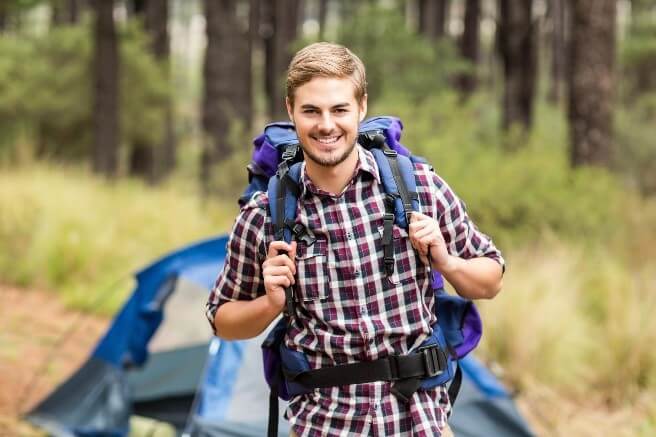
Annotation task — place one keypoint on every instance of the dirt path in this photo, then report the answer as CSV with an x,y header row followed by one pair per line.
x,y
32,323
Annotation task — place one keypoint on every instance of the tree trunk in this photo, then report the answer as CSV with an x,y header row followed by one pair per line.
x,y
65,12
227,81
518,51
469,46
323,12
433,18
106,88
557,13
156,23
282,16
4,14
591,81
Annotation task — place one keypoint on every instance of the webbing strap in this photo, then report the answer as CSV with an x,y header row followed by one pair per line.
x,y
424,363
272,428
388,237
454,388
406,196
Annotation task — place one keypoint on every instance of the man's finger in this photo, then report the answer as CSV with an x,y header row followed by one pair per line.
x,y
277,247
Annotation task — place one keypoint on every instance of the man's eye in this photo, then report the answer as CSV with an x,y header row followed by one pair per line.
x,y
309,111
341,110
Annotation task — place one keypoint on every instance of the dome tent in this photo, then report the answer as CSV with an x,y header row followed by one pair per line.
x,y
158,359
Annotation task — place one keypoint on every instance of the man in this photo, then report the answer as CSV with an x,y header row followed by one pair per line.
x,y
349,310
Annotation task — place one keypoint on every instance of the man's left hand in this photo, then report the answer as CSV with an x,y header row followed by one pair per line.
x,y
426,237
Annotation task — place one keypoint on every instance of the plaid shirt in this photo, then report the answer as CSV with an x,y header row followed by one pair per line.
x,y
347,309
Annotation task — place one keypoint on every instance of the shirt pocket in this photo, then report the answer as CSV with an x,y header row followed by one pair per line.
x,y
312,271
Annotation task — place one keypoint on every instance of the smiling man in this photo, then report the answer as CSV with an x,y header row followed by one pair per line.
x,y
348,309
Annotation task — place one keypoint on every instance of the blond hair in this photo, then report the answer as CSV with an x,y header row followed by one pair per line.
x,y
325,59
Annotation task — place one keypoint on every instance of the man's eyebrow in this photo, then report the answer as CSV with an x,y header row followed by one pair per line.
x,y
338,105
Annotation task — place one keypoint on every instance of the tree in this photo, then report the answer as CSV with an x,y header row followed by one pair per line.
x,y
227,79
591,81
557,14
106,86
518,50
152,161
469,46
65,11
323,12
433,18
282,17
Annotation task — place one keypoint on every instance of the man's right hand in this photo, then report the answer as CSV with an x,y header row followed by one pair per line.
x,y
278,271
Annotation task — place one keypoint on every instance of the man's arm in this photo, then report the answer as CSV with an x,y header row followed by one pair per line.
x,y
242,319
474,278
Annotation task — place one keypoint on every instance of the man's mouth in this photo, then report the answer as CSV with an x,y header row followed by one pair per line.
x,y
327,140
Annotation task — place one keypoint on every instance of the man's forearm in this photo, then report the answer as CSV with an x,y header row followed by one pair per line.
x,y
476,278
244,319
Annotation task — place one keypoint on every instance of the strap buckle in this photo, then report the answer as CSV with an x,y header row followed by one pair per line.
x,y
290,152
389,152
431,354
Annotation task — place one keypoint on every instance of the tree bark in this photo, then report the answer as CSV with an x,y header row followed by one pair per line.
x,y
282,17
591,81
227,80
557,13
433,18
518,50
106,88
469,46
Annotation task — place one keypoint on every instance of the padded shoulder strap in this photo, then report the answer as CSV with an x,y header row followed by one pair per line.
x,y
283,193
398,178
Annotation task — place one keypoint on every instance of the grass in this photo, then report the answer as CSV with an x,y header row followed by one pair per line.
x,y
65,230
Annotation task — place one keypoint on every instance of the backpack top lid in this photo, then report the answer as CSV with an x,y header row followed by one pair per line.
x,y
276,136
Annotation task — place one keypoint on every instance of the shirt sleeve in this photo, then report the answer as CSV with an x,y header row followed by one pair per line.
x,y
241,276
462,237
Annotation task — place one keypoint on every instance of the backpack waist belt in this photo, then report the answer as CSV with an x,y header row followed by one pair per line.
x,y
406,371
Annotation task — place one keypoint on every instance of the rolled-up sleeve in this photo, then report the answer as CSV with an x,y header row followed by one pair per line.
x,y
241,276
461,235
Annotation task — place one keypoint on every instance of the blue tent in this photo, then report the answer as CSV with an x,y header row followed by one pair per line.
x,y
159,360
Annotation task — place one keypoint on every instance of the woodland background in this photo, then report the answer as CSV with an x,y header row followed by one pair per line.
x,y
126,127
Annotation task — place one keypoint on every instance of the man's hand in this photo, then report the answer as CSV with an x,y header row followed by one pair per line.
x,y
426,237
278,271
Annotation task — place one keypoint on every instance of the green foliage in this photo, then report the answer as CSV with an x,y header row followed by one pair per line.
x,y
514,196
398,61
46,96
638,55
81,251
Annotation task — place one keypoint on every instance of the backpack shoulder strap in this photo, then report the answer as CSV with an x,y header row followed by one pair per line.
x,y
398,178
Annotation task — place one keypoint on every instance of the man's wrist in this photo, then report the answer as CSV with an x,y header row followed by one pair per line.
x,y
448,266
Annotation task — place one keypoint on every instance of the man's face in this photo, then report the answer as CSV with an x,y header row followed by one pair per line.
x,y
326,115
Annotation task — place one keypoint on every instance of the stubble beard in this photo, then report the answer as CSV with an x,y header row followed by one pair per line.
x,y
330,161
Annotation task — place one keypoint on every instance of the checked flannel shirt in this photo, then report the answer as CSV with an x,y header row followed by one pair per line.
x,y
347,309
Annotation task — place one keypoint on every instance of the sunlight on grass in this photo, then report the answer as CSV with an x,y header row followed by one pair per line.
x,y
65,230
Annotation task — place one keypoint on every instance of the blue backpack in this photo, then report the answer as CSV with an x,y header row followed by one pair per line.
x,y
276,169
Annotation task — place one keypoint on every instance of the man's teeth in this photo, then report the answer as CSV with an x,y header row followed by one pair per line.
x,y
327,140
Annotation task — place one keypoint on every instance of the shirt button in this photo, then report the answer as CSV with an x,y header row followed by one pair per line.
x,y
356,273
363,309
349,235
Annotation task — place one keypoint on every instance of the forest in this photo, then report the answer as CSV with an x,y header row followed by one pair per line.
x,y
127,125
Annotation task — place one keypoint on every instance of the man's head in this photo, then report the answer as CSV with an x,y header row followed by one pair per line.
x,y
326,100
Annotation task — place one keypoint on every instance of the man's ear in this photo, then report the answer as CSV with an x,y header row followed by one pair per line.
x,y
290,110
363,108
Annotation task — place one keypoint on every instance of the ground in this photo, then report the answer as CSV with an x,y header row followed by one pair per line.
x,y
41,342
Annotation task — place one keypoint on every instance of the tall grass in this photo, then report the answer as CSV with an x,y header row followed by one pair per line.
x,y
65,230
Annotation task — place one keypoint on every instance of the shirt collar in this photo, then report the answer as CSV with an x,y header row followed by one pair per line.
x,y
366,164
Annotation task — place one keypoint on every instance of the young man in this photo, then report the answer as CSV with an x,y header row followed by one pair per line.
x,y
347,309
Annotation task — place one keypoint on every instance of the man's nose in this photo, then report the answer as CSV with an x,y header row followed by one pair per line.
x,y
326,123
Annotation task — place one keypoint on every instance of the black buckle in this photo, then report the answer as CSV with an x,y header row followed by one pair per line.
x,y
389,266
283,169
432,360
389,152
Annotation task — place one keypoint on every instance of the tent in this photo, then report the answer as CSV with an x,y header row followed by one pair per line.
x,y
159,360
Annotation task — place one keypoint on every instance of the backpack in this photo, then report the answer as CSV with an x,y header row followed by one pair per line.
x,y
276,169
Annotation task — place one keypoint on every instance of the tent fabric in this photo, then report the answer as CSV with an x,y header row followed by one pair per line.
x,y
158,360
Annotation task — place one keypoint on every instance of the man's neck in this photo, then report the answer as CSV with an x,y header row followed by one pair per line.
x,y
332,179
